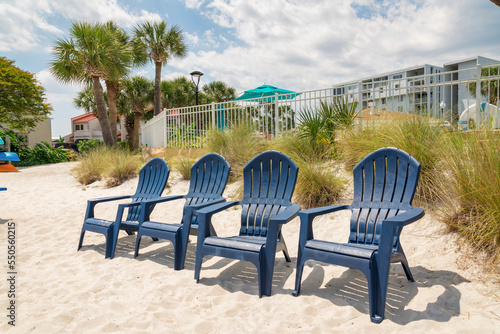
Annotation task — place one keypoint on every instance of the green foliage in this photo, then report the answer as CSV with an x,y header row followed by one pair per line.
x,y
472,190
318,183
238,145
320,125
85,146
157,43
43,153
218,91
85,100
489,84
22,99
114,164
184,136
184,164
178,93
418,136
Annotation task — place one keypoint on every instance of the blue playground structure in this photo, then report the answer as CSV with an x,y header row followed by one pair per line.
x,y
6,157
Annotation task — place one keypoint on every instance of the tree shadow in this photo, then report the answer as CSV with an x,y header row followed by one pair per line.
x,y
351,288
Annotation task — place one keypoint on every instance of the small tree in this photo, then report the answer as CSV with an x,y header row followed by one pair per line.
x,y
139,92
22,99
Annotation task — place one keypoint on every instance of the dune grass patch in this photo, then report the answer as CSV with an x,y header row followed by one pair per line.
x,y
114,165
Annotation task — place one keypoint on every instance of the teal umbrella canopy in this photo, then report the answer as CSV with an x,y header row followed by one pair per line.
x,y
266,93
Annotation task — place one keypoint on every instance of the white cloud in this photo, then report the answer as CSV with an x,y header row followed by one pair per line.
x,y
25,21
60,96
315,44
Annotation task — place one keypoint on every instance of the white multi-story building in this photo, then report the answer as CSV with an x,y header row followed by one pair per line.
x,y
422,88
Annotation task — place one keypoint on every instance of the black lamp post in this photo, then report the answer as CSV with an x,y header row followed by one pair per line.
x,y
196,74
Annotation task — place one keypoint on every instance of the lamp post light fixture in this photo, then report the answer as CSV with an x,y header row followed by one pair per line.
x,y
196,74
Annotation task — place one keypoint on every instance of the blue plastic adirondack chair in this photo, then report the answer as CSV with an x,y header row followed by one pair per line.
x,y
152,180
268,182
384,186
208,179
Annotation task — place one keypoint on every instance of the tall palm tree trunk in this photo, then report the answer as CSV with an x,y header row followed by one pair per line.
x,y
157,101
101,111
135,136
112,88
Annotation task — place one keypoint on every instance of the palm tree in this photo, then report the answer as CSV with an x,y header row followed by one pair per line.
x,y
178,93
85,100
161,44
218,91
85,57
117,72
140,92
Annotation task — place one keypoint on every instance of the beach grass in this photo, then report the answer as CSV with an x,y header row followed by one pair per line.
x,y
114,165
472,203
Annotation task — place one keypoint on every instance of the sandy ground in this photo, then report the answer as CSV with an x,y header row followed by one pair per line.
x,y
60,290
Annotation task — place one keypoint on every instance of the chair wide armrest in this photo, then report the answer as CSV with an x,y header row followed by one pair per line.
x,y
286,216
310,214
213,209
146,205
91,203
405,218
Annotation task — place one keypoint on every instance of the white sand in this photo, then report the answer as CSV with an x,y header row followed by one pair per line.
x,y
60,290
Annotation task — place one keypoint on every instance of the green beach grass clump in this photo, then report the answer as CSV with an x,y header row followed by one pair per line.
x,y
421,137
115,165
183,166
472,206
318,184
238,145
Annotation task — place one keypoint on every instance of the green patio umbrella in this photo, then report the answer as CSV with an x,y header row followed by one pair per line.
x,y
266,93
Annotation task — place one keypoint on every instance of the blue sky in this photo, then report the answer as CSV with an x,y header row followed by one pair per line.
x,y
293,44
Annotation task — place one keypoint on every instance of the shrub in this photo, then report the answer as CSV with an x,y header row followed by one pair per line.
x,y
102,162
472,208
123,166
43,153
238,145
89,145
419,136
184,164
317,183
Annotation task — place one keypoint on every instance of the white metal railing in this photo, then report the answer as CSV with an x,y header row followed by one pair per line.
x,y
441,94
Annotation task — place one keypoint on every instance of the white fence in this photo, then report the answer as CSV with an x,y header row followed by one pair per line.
x,y
436,94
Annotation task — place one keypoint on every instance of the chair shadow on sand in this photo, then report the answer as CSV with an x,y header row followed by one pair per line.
x,y
162,254
242,276
351,289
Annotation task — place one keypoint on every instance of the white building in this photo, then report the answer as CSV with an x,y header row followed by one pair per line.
x,y
421,88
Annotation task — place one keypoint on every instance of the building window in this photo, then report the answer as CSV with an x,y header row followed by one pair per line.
x,y
399,76
383,100
78,127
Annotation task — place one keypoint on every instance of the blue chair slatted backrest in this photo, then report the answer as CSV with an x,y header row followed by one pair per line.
x,y
209,177
269,181
384,185
152,179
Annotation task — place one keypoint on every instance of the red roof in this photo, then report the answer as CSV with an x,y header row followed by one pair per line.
x,y
83,118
